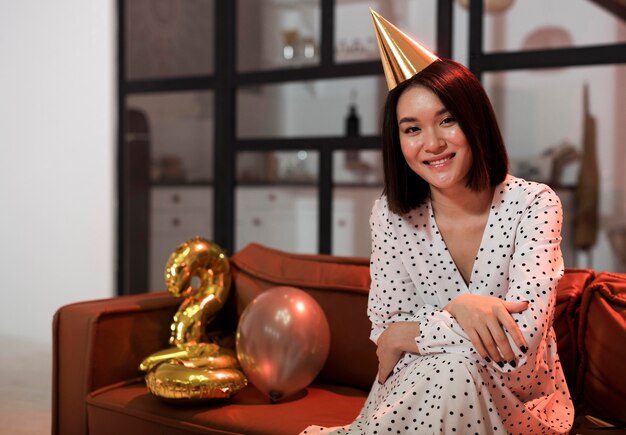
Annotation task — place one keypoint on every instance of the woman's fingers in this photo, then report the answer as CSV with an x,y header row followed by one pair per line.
x,y
501,341
478,343
486,320
515,307
509,324
485,345
488,341
397,338
386,363
383,374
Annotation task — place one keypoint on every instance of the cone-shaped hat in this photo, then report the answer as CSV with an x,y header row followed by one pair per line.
x,y
402,57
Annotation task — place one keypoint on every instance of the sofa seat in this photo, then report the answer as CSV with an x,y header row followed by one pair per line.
x,y
127,408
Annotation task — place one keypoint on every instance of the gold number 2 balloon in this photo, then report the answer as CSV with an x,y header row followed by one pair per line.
x,y
194,369
207,261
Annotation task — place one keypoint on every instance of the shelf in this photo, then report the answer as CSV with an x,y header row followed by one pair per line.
x,y
181,184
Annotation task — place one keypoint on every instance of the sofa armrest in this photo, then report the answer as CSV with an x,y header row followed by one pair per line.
x,y
97,343
602,344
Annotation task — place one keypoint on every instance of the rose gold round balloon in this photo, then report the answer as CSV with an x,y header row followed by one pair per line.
x,y
282,341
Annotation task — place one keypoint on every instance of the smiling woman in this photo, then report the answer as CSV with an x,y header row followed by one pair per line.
x,y
465,264
454,100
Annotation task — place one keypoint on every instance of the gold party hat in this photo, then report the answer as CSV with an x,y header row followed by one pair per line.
x,y
402,57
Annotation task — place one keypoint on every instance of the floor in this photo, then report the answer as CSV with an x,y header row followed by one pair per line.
x,y
25,386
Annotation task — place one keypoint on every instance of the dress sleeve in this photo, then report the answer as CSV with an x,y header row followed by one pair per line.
x,y
390,276
387,271
534,271
536,267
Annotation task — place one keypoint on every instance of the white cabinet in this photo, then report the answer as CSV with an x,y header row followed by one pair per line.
x,y
352,207
177,214
284,218
287,218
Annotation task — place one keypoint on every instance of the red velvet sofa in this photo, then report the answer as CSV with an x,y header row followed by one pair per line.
x,y
98,345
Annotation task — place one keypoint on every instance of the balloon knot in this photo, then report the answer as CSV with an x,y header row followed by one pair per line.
x,y
275,396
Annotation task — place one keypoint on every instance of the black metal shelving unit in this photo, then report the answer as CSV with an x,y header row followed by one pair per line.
x,y
226,80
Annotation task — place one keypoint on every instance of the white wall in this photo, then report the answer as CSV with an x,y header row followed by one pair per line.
x,y
57,159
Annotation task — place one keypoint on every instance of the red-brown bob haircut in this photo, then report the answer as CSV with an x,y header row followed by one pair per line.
x,y
464,97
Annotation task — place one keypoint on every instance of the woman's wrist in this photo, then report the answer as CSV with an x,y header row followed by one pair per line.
x,y
408,333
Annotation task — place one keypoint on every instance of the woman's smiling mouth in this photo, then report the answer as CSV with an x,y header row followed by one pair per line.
x,y
440,161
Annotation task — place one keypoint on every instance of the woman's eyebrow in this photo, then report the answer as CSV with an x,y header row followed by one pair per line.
x,y
413,119
407,119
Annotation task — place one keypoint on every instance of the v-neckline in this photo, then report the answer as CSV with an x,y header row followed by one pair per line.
x,y
467,284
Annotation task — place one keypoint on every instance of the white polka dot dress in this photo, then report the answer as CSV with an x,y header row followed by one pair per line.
x,y
448,387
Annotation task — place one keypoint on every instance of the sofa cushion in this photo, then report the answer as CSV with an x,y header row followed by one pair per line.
x,y
602,345
128,409
568,297
339,284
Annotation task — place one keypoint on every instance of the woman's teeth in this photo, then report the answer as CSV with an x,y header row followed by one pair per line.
x,y
440,161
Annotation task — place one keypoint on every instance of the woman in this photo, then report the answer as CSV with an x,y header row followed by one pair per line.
x,y
465,263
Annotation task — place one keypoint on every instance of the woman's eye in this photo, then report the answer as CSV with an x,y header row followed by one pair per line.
x,y
448,120
412,129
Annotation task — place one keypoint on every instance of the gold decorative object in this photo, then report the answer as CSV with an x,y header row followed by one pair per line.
x,y
205,260
206,372
402,57
194,369
200,354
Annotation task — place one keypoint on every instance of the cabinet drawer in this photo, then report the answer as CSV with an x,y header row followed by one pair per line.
x,y
183,223
173,198
268,199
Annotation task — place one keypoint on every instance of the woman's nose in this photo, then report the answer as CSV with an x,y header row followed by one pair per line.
x,y
434,143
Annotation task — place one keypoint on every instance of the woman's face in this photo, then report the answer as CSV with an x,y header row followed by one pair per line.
x,y
432,142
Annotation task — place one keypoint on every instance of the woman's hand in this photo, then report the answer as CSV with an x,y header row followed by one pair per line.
x,y
398,338
484,319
